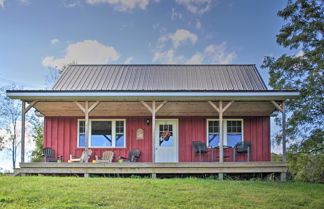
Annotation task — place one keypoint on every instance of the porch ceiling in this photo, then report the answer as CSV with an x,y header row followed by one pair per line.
x,y
115,109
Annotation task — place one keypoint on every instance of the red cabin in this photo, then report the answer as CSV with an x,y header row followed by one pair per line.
x,y
161,110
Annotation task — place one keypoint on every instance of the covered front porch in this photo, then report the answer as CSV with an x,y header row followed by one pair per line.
x,y
63,112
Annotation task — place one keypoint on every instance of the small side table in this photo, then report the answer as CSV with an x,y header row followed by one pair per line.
x,y
224,148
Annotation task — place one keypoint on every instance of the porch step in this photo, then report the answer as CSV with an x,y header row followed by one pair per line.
x,y
17,172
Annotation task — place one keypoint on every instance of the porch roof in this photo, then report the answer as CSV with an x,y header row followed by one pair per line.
x,y
241,95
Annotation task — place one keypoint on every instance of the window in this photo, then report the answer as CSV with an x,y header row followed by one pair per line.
x,y
166,135
213,133
81,133
232,132
103,133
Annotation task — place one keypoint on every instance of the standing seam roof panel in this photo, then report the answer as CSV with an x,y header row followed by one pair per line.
x,y
160,77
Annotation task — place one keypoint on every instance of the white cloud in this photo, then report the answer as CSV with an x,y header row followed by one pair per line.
x,y
71,3
301,53
218,54
196,59
198,24
24,1
128,60
212,54
85,52
167,57
177,38
2,3
54,41
196,6
175,14
159,27
182,35
122,5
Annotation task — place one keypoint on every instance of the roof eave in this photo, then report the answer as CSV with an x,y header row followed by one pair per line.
x,y
149,96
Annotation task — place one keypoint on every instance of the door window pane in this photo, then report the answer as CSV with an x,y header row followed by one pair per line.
x,y
101,134
166,135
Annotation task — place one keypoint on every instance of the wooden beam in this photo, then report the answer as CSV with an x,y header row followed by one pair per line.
x,y
284,159
86,111
80,106
30,106
221,138
153,110
24,110
214,106
23,119
153,131
93,106
147,106
160,106
157,168
277,106
282,109
228,105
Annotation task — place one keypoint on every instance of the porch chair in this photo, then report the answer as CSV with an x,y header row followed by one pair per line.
x,y
242,147
201,148
107,157
48,154
83,159
133,156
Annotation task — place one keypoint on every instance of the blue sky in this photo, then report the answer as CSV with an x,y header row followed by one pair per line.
x,y
38,34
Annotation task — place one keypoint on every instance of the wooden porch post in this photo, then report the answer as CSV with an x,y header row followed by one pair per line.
x,y
153,131
220,111
86,110
153,110
282,109
86,113
284,158
23,119
221,148
24,110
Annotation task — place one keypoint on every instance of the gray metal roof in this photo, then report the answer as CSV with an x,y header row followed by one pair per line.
x,y
160,78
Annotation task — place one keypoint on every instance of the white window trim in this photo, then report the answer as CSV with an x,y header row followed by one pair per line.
x,y
113,132
224,128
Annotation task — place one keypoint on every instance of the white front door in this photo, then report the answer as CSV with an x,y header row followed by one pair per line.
x,y
166,140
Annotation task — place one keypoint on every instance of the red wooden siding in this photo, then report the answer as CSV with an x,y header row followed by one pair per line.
x,y
61,134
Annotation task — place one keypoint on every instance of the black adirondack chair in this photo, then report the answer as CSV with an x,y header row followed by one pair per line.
x,y
199,147
133,155
242,147
49,154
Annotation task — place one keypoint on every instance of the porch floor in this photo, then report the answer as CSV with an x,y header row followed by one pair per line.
x,y
152,168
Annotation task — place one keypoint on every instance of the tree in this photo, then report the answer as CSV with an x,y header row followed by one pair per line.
x,y
38,137
304,31
1,143
303,70
10,113
54,74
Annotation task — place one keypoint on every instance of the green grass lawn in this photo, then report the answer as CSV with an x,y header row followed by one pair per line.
x,y
73,192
